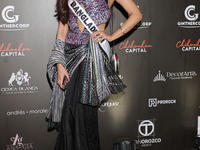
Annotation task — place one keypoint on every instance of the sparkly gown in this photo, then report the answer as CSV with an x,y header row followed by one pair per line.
x,y
90,82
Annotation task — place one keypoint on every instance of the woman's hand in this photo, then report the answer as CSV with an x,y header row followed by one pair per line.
x,y
101,35
62,72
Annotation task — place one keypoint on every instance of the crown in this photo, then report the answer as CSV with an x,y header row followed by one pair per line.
x,y
159,77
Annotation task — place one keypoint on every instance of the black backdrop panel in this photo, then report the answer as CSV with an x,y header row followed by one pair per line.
x,y
159,64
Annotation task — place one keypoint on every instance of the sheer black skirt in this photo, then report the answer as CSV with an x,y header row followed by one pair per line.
x,y
78,129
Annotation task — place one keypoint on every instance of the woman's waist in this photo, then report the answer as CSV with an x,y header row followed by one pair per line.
x,y
75,48
77,39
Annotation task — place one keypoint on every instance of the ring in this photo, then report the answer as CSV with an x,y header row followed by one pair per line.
x,y
101,36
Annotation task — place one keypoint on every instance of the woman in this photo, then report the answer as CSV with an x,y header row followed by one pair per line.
x,y
78,58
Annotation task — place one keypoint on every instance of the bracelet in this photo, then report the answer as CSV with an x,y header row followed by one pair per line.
x,y
122,30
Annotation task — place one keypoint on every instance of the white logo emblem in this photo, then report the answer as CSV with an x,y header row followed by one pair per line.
x,y
6,17
19,77
189,15
159,77
146,128
153,102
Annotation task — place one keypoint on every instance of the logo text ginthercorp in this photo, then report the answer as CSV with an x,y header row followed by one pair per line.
x,y
11,20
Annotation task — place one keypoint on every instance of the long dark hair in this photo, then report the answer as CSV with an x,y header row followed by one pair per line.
x,y
62,11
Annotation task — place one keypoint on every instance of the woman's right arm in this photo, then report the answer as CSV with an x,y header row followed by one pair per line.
x,y
61,34
62,31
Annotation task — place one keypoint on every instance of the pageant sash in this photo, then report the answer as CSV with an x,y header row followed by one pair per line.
x,y
88,23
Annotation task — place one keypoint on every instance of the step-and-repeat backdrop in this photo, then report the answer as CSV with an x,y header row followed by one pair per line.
x,y
159,64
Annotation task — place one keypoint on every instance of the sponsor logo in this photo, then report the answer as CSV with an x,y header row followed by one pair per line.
x,y
181,75
7,51
140,25
108,104
19,77
188,14
26,112
175,75
148,128
187,46
154,102
11,20
17,144
19,84
143,24
146,133
6,17
159,77
191,17
131,47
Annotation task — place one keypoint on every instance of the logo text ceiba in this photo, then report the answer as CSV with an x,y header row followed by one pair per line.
x,y
19,84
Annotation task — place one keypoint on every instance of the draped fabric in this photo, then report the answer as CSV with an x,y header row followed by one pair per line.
x,y
98,79
57,97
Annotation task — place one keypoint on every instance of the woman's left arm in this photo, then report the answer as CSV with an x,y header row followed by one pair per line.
x,y
135,16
